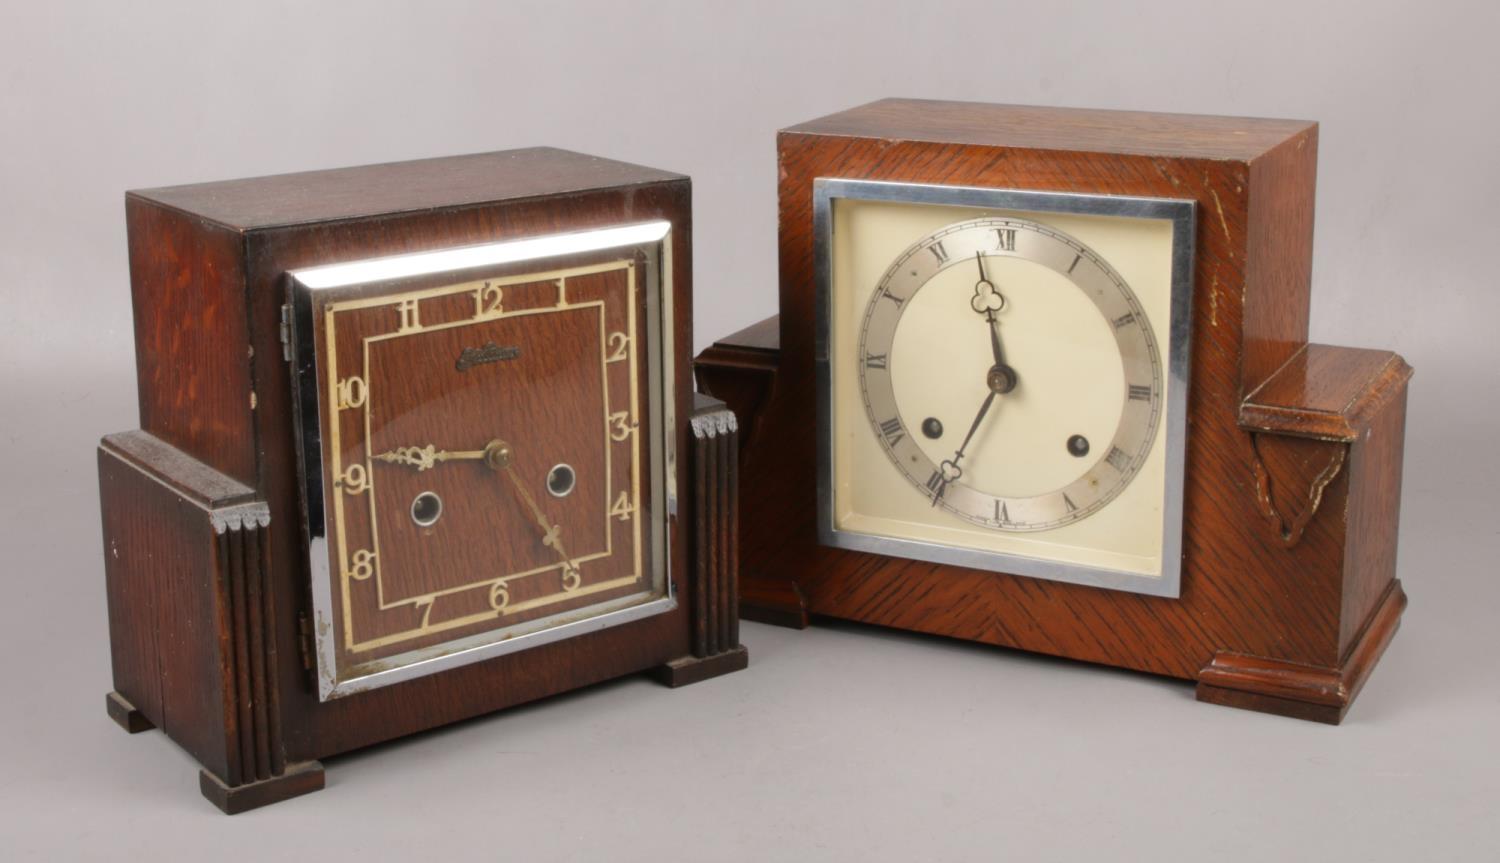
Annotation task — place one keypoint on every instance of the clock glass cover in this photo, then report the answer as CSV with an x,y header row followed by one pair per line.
x,y
1002,378
483,435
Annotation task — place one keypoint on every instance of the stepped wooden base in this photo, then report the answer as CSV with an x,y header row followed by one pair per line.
x,y
298,779
1303,691
693,669
125,715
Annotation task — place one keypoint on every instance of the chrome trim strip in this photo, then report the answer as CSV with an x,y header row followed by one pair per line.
x,y
457,654
469,257
1180,212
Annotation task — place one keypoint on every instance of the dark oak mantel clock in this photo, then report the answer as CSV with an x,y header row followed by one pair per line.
x,y
1041,379
417,442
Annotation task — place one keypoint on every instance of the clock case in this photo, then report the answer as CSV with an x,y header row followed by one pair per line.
x,y
1293,453
206,567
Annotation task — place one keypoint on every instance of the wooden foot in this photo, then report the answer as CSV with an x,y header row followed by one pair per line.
x,y
777,602
692,669
1303,691
298,779
125,714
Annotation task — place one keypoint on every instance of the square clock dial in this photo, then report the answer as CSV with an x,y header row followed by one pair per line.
x,y
1003,378
483,449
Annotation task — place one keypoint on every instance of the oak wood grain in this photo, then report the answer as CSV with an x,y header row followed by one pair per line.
x,y
1326,392
1032,127
170,625
193,393
208,635
395,188
1246,590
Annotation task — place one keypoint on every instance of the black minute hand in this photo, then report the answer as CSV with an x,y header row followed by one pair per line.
x,y
974,427
958,455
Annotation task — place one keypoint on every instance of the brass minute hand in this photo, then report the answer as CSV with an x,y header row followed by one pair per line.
x,y
497,456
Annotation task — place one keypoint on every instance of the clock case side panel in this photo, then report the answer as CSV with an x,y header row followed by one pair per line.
x,y
316,729
192,338
1243,590
190,644
1278,258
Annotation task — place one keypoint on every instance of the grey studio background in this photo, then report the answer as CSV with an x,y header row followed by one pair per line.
x,y
840,742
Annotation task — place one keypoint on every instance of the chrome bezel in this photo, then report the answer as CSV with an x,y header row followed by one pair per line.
x,y
653,240
1180,213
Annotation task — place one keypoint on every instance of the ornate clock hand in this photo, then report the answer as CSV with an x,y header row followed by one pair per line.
x,y
1001,379
497,456
988,301
426,457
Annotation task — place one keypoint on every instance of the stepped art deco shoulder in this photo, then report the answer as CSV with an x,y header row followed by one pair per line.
x,y
1041,378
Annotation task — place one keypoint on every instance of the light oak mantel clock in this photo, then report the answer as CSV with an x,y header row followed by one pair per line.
x,y
1041,379
417,442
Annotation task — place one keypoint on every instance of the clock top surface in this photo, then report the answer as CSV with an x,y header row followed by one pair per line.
x,y
394,187
1138,133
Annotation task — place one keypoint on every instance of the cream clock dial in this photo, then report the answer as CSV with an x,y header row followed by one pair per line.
x,y
1004,444
1003,377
